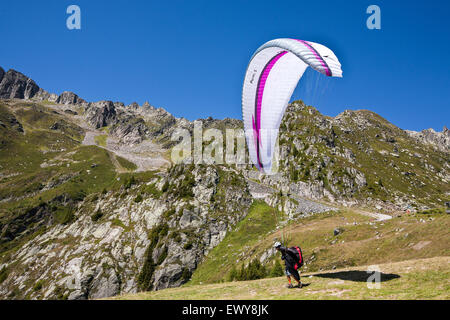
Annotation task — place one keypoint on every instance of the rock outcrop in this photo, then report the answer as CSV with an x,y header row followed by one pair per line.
x,y
440,140
15,85
101,114
130,130
105,251
2,73
42,95
68,97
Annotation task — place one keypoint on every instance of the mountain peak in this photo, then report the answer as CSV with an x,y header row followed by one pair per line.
x,y
16,85
2,73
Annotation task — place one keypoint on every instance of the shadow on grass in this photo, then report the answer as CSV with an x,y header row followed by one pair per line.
x,y
356,275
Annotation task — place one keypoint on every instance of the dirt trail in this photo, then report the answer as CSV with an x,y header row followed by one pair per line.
x,y
375,215
260,191
145,155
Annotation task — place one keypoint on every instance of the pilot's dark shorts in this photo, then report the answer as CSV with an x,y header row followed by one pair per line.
x,y
292,272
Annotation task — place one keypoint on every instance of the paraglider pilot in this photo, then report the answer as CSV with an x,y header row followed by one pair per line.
x,y
293,261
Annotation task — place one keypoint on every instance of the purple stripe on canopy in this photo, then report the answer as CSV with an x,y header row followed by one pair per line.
x,y
321,60
259,96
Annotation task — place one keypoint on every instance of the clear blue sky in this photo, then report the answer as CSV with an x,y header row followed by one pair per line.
x,y
190,56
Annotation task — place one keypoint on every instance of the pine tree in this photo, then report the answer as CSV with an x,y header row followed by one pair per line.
x,y
255,270
233,275
252,270
242,275
277,270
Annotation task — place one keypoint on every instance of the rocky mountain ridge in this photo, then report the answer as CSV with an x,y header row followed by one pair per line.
x,y
90,205
441,140
15,85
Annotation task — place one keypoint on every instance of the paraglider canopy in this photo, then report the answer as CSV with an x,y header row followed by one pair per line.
x,y
272,75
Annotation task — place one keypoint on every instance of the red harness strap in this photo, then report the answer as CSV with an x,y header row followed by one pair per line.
x,y
300,255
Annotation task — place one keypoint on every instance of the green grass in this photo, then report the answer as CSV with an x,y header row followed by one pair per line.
x,y
64,214
105,129
366,143
433,211
118,223
361,241
21,155
413,279
259,221
85,179
101,140
125,164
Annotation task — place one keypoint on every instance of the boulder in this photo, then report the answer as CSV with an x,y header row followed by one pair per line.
x,y
169,276
105,285
189,219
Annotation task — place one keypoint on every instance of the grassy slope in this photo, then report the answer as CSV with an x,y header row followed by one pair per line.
x,y
362,241
31,159
125,164
101,140
412,279
260,220
383,153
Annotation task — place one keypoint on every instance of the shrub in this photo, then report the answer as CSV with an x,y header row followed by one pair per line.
x,y
3,274
277,269
138,198
38,285
59,293
433,211
188,245
185,189
97,215
165,187
186,275
162,256
233,274
129,182
167,214
175,235
152,190
78,195
63,214
145,276
254,270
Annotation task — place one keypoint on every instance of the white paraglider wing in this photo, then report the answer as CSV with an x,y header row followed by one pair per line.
x,y
271,77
